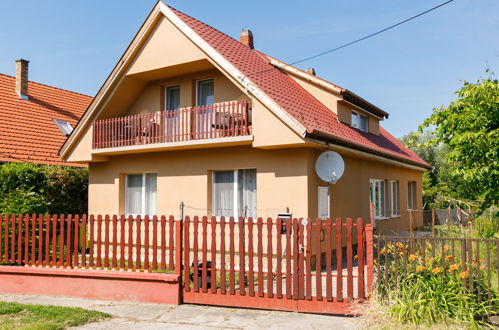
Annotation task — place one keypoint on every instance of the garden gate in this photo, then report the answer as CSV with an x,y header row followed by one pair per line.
x,y
320,266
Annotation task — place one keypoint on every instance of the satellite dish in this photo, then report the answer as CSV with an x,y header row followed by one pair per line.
x,y
330,166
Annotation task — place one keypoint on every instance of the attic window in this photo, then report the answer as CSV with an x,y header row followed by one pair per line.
x,y
64,126
359,121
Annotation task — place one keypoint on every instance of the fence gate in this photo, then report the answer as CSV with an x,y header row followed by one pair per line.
x,y
319,266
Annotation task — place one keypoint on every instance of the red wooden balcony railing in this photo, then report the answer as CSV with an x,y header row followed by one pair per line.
x,y
226,119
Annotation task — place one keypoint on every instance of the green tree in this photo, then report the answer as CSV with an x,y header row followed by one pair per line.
x,y
469,127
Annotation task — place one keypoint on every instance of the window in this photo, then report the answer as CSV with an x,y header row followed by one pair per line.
x,y
64,126
234,193
359,121
377,197
395,198
172,97
411,195
205,94
323,202
140,194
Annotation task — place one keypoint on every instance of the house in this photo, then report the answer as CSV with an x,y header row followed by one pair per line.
x,y
193,122
35,119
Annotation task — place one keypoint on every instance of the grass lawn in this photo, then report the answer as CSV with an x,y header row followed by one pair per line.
x,y
23,316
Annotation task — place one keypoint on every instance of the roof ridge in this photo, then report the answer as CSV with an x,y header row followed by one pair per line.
x,y
46,85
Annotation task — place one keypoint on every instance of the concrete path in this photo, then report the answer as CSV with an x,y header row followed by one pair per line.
x,y
128,315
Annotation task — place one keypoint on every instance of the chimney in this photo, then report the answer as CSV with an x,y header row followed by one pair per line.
x,y
22,78
311,71
246,38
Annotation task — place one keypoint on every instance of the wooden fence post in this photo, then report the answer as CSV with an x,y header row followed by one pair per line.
x,y
433,222
369,257
178,246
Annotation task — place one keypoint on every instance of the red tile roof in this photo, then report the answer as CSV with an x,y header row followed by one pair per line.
x,y
27,130
318,120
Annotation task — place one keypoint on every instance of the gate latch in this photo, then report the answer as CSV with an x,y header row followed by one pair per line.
x,y
301,249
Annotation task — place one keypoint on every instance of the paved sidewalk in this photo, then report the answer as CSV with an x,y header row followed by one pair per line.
x,y
127,315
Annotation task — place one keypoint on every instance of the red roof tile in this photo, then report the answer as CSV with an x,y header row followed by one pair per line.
x,y
294,99
27,130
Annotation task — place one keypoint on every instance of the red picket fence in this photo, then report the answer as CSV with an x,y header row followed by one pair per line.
x,y
224,119
287,264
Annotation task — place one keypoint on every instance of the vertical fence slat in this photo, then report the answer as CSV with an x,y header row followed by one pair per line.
x,y
204,251
33,239
122,242
146,242
60,262
289,283
26,239
259,225
99,241
186,247
91,242
296,253
154,242
163,242
242,288
360,259
339,260
19,240
195,256
138,243
171,243
130,264
222,256
279,259
349,260
308,261
370,258
83,236
329,278
232,288
270,275
69,234
318,261
213,276
107,221
76,255
114,260
251,270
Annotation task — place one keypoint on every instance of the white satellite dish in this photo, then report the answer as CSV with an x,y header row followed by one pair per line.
x,y
330,166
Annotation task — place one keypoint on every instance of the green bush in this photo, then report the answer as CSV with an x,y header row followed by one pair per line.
x,y
487,227
23,201
64,189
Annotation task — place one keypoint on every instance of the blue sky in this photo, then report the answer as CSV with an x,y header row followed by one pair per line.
x,y
406,71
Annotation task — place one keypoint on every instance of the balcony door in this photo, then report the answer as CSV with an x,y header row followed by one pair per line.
x,y
203,117
172,113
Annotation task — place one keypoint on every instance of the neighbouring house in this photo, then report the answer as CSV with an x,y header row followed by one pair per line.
x,y
193,122
35,119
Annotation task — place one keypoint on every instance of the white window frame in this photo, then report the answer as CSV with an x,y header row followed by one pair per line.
x,y
64,126
236,194
319,204
382,214
357,123
411,195
197,89
143,202
166,95
395,205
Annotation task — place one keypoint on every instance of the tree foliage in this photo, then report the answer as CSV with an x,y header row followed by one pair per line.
x,y
468,129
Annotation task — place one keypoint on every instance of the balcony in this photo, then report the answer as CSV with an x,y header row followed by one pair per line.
x,y
214,122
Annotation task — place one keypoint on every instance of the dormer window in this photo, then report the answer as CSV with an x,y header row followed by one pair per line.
x,y
64,126
359,121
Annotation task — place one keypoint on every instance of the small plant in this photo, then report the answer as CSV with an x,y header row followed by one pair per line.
x,y
23,201
431,290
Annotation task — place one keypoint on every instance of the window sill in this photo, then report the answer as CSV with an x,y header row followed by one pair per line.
x,y
381,218
394,216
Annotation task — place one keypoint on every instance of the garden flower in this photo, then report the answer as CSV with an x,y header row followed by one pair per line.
x,y
412,257
449,258
383,251
419,268
401,253
464,274
399,245
453,267
436,270
446,248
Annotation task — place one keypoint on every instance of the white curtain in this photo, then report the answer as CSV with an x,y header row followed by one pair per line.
x,y
223,193
246,193
133,203
150,194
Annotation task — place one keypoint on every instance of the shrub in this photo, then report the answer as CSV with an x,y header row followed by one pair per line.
x,y
23,201
487,227
63,188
